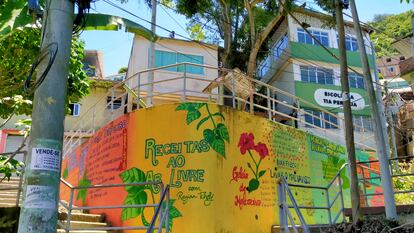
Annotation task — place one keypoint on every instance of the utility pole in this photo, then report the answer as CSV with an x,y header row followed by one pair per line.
x,y
39,211
349,127
390,121
150,90
382,151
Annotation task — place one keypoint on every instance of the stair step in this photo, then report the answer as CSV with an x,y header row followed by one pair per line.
x,y
8,199
312,228
81,224
8,204
87,231
82,217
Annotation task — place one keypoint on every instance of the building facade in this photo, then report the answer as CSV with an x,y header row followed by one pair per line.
x,y
169,52
298,65
93,109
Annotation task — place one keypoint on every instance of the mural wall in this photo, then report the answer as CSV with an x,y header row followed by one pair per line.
x,y
221,164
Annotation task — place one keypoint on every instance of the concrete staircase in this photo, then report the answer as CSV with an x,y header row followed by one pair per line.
x,y
79,219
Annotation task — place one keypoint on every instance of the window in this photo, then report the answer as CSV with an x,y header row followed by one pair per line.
x,y
388,59
165,58
391,69
74,109
362,123
89,70
316,75
402,58
303,37
379,71
116,103
397,84
356,81
351,44
315,118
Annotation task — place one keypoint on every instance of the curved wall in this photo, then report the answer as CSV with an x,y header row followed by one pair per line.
x,y
221,164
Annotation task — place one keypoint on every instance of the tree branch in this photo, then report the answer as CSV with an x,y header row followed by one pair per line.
x,y
258,43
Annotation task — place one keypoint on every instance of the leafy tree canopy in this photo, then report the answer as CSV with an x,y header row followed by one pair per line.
x,y
389,28
18,51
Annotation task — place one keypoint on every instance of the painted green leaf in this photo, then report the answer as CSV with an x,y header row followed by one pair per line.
x,y
189,106
144,220
261,173
111,22
139,198
133,175
218,114
215,141
253,185
221,130
65,173
345,180
84,182
202,121
192,115
174,212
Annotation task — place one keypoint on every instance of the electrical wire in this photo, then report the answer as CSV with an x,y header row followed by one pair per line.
x,y
51,50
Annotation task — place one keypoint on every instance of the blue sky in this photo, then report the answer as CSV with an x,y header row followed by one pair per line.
x,y
116,46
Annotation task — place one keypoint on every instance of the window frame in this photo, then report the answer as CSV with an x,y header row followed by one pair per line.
x,y
353,78
179,56
75,110
319,34
309,113
362,121
328,77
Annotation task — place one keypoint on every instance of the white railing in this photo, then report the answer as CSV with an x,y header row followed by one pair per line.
x,y
242,93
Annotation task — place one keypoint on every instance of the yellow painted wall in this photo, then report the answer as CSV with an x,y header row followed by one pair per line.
x,y
221,163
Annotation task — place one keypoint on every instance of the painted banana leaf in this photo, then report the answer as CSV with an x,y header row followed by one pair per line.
x,y
14,15
115,23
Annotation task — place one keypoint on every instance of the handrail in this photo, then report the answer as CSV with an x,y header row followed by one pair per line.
x,y
165,216
164,199
21,176
283,187
275,106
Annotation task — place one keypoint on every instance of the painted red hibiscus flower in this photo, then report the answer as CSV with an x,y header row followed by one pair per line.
x,y
262,150
246,142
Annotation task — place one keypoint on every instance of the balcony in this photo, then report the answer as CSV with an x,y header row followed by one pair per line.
x,y
276,57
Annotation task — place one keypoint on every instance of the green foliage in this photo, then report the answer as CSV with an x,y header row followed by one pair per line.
x,y
214,137
18,50
122,70
390,27
13,15
196,31
10,168
404,183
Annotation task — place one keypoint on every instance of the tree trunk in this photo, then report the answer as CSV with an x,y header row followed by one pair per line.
x,y
227,32
251,66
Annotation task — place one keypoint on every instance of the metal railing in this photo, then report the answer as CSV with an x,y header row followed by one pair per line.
x,y
168,87
284,211
21,177
161,212
396,174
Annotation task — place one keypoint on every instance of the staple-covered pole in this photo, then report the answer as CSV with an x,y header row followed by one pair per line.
x,y
382,151
39,211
